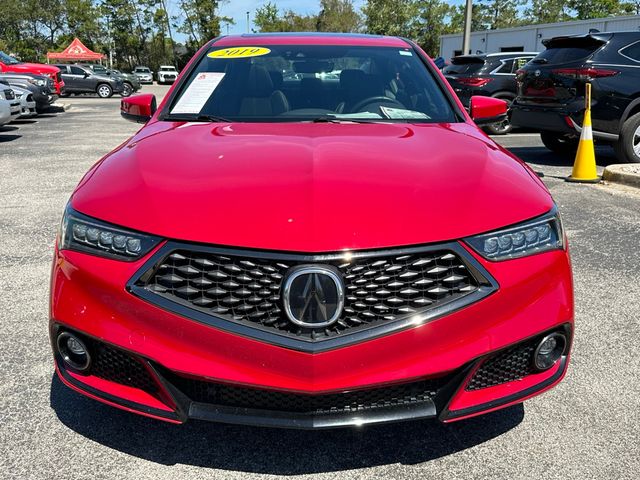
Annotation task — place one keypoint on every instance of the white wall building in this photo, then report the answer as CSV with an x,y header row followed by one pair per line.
x,y
529,38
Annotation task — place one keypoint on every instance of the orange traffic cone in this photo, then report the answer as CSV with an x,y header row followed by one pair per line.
x,y
584,167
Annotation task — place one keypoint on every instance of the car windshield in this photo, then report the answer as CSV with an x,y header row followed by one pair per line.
x,y
7,59
463,65
142,70
167,69
280,83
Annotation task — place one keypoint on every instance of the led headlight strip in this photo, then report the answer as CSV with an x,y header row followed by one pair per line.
x,y
85,234
538,235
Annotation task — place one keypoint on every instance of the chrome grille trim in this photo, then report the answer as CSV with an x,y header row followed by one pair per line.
x,y
314,341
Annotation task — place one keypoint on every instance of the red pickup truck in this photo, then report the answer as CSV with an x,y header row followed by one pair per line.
x,y
10,64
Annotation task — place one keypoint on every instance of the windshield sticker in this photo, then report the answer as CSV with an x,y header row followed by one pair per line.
x,y
239,52
198,92
406,53
403,114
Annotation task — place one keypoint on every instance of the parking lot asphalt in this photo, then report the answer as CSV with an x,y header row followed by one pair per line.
x,y
587,427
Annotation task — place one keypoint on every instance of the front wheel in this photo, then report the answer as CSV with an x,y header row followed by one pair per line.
x,y
127,90
104,90
627,147
503,127
560,143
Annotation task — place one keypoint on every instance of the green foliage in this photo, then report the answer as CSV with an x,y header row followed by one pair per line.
x,y
338,16
586,9
141,32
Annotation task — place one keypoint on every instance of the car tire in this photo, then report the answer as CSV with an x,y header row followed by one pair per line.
x,y
104,90
127,89
627,147
560,143
505,127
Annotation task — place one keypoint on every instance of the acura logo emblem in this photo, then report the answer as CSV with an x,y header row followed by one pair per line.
x,y
313,296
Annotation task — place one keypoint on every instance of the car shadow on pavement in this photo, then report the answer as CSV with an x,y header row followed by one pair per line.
x,y
8,138
536,155
273,451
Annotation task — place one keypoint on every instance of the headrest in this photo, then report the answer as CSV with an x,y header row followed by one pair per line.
x,y
276,79
259,82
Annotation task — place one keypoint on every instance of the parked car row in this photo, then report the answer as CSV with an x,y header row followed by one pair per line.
x,y
546,91
167,74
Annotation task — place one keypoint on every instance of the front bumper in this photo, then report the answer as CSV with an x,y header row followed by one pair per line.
x,y
88,296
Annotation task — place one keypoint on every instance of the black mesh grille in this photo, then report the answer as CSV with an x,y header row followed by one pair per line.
x,y
511,364
118,366
354,401
247,289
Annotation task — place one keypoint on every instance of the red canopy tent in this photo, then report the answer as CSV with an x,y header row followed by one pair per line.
x,y
76,51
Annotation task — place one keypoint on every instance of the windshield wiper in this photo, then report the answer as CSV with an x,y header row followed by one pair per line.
x,y
203,117
334,119
197,118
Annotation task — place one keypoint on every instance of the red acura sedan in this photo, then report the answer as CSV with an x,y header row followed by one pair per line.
x,y
310,231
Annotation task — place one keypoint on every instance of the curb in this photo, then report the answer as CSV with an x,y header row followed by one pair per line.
x,y
625,173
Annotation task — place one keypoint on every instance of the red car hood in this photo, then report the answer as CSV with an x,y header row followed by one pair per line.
x,y
311,187
39,68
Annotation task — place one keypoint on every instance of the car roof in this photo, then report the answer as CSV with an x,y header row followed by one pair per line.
x,y
310,38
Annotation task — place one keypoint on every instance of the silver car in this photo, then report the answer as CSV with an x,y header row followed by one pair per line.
x,y
27,103
144,74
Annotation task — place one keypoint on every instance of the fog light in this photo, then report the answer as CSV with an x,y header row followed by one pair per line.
x,y
74,351
549,351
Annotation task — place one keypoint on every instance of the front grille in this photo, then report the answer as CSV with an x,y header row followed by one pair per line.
x,y
246,289
118,366
8,94
354,401
508,365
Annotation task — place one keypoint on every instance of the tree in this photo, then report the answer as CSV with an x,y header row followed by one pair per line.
x,y
547,11
586,9
500,13
456,19
200,20
430,24
269,19
390,17
338,16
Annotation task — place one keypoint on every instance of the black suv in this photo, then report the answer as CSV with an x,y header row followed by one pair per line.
x,y
551,91
491,75
78,79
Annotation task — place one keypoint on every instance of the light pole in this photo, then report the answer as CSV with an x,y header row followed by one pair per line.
x,y
248,29
466,36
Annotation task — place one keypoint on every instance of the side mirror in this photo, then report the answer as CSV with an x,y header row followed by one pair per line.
x,y
138,108
488,110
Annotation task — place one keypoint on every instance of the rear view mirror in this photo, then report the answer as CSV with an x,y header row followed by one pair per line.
x,y
138,108
488,110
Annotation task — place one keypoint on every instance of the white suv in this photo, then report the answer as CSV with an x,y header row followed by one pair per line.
x,y
167,74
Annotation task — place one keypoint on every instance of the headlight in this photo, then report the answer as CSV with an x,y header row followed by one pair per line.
x,y
85,234
37,81
528,238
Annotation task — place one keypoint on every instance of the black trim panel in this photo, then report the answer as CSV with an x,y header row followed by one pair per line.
x,y
267,418
112,398
487,286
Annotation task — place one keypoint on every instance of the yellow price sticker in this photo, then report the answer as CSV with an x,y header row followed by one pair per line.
x,y
239,52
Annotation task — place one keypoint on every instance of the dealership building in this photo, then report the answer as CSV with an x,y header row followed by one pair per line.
x,y
529,38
